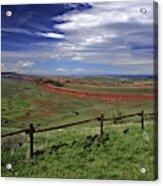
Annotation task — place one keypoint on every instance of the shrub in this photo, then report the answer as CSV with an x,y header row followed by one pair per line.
x,y
54,82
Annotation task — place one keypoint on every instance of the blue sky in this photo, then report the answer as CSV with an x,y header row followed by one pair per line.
x,y
78,39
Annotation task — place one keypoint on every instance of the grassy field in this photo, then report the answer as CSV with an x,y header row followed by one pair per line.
x,y
67,153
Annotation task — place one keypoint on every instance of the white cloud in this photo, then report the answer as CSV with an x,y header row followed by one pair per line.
x,y
19,55
24,64
78,70
19,66
103,34
3,67
51,35
77,58
104,14
17,31
106,33
71,71
90,19
61,70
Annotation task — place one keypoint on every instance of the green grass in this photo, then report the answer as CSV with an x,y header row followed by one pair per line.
x,y
111,89
112,85
24,103
119,157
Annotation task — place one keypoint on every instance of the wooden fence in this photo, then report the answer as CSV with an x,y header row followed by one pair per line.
x,y
31,130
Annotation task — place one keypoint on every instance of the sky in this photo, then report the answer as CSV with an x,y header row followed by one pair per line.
x,y
78,39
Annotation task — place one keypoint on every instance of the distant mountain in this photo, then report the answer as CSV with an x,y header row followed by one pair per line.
x,y
115,76
9,74
132,77
120,76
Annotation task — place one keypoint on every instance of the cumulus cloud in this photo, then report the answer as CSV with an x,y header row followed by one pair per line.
x,y
114,33
109,33
104,14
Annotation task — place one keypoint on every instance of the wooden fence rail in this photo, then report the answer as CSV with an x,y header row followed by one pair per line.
x,y
31,130
123,117
67,125
13,133
75,123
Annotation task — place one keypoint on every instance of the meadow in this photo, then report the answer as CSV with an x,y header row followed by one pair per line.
x,y
68,153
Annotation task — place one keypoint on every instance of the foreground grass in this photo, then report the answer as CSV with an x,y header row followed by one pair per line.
x,y
65,153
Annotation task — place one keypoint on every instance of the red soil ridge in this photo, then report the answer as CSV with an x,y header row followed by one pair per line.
x,y
103,96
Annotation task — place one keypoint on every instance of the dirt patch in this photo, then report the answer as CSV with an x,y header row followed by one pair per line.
x,y
19,118
103,96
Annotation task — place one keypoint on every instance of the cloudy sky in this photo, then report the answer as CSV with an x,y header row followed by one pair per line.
x,y
78,39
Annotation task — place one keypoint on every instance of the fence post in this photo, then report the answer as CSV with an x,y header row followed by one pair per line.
x,y
101,124
114,121
31,131
142,120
